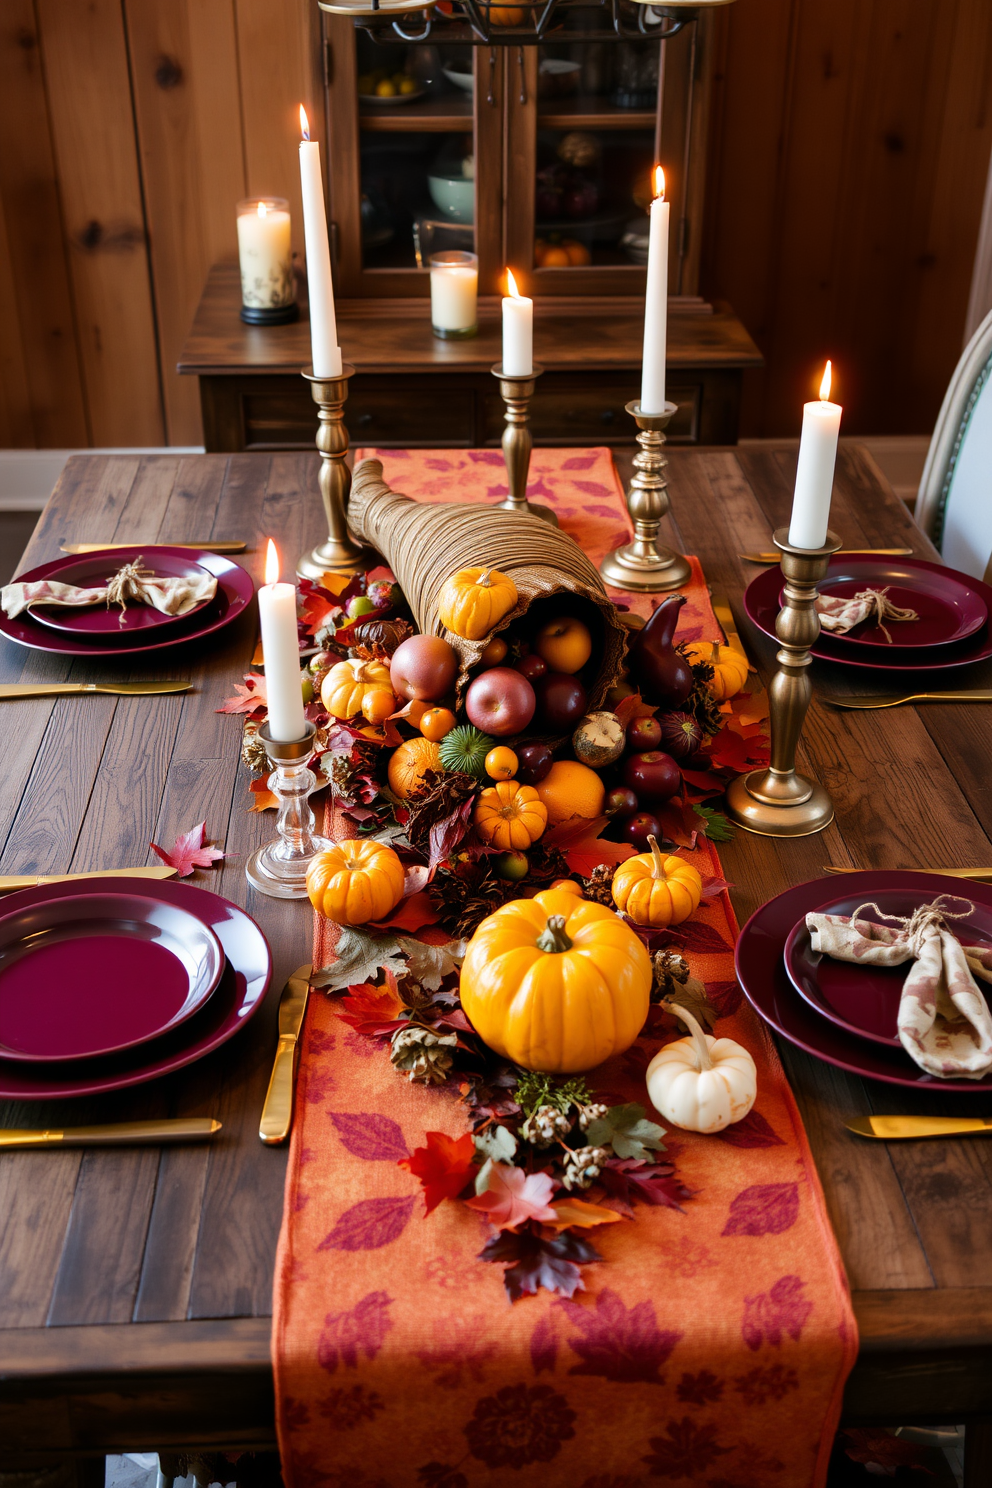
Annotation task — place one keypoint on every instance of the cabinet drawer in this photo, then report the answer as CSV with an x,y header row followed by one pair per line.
x,y
593,415
407,417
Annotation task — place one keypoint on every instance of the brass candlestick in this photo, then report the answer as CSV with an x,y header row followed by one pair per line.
x,y
644,564
516,393
778,802
340,553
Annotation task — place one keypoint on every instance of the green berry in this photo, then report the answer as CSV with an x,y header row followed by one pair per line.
x,y
465,748
513,866
360,605
306,684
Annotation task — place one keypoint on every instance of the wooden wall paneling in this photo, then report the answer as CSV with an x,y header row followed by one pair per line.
x,y
16,422
51,408
341,142
685,178
89,96
980,295
184,70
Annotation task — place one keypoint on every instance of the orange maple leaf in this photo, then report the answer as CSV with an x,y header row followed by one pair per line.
x,y
580,1214
264,798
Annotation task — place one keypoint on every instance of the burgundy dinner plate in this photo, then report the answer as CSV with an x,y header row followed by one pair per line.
x,y
238,995
111,623
82,976
865,999
761,604
948,609
235,591
761,971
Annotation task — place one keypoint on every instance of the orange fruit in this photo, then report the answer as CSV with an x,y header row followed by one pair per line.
x,y
501,763
409,763
571,789
436,722
377,704
578,253
555,258
565,644
507,15
494,652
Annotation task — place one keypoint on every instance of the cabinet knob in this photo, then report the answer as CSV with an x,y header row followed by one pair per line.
x,y
608,416
363,420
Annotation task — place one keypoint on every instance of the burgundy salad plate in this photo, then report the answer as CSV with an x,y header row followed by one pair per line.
x,y
235,591
237,997
82,976
864,1000
111,622
760,965
762,604
948,609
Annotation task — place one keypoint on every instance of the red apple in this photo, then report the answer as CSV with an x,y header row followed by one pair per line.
x,y
500,702
643,734
637,829
621,803
534,761
653,777
531,667
562,700
423,667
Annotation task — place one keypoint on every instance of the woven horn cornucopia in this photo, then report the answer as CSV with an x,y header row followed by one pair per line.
x,y
424,544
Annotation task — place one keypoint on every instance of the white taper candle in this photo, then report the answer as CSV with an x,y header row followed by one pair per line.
x,y
815,471
656,302
324,348
518,332
281,654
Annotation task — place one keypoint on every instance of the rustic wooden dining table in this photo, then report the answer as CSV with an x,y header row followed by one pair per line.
x,y
135,1284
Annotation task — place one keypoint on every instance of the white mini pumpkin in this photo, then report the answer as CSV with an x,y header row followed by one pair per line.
x,y
702,1083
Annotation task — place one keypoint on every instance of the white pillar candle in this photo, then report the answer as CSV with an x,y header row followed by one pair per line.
x,y
815,472
264,253
518,332
656,302
454,292
324,348
281,653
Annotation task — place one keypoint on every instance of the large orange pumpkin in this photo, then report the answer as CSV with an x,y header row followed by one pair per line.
x,y
354,882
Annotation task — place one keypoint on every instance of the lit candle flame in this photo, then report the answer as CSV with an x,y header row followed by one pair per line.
x,y
263,210
659,183
304,123
825,384
512,285
271,564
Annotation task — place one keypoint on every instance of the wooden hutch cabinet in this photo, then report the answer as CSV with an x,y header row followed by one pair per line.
x,y
534,157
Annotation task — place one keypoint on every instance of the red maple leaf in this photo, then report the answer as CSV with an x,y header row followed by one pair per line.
x,y
318,606
444,1166
367,1007
189,852
584,849
729,751
681,822
252,697
632,707
539,1262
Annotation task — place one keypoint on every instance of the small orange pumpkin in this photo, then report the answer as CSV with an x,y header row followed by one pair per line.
x,y
510,815
354,882
473,600
343,689
655,889
409,763
730,667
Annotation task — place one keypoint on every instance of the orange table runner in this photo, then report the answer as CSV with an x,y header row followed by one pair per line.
x,y
709,1346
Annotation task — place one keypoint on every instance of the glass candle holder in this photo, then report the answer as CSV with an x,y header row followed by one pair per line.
x,y
268,293
454,293
279,869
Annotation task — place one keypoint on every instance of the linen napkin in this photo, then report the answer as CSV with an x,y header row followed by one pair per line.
x,y
841,613
944,1022
171,596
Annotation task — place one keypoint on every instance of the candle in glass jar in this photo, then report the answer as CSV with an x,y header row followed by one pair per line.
x,y
454,294
518,332
281,654
815,471
324,349
656,302
264,253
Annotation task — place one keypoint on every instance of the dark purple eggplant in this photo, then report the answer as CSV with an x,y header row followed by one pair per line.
x,y
663,675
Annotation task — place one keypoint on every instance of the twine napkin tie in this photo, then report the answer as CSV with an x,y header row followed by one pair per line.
x,y
944,1022
170,596
840,613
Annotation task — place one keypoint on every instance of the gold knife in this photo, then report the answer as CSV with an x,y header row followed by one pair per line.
x,y
119,1134
70,689
978,875
209,545
725,616
965,695
880,552
33,880
899,1128
277,1112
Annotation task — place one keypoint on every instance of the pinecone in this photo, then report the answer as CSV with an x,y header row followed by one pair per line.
x,y
598,886
671,972
547,1125
254,753
701,703
422,1055
464,901
584,1166
341,773
594,1112
376,640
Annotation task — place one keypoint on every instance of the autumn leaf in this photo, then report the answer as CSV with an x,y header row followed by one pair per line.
x,y
582,1215
514,1196
189,852
444,1166
578,838
536,1262
632,707
631,1180
751,1131
358,958
681,822
250,696
729,751
430,964
880,1449
763,1209
627,1130
617,1342
264,799
367,1007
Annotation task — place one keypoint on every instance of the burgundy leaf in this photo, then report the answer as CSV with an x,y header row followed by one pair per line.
x,y
697,936
536,1262
726,997
345,1335
448,832
699,1389
632,1179
685,1450
782,1309
543,1346
619,1343
751,1131
368,1135
764,1209
370,1224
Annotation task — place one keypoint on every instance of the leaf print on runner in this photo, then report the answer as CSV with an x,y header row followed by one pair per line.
x,y
362,1330
346,1409
368,1135
764,1209
518,1425
295,1414
319,1084
782,1309
441,1475
699,1389
458,1353
751,1131
370,1224
696,935
685,1450
773,1382
726,997
543,1346
619,1343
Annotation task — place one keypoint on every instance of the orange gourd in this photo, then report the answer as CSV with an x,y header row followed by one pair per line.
x,y
409,763
473,600
655,889
730,668
343,689
510,815
354,882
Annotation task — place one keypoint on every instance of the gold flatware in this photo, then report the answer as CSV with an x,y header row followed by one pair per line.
x,y
119,1134
277,1112
978,875
881,700
70,689
900,1128
209,545
879,552
725,617
33,880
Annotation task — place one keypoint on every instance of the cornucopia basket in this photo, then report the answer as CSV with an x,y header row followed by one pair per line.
x,y
424,544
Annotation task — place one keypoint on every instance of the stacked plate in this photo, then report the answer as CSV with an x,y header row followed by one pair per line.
x,y
109,982
97,631
952,629
843,1012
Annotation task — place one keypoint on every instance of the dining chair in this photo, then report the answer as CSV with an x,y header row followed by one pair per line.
x,y
954,502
